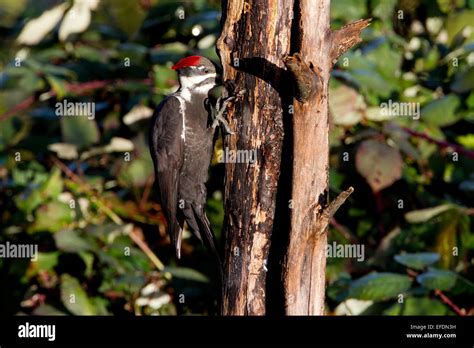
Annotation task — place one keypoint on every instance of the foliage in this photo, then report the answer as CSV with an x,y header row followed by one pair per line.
x,y
411,175
81,187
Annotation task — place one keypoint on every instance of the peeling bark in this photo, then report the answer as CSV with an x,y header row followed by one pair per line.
x,y
255,46
305,263
255,36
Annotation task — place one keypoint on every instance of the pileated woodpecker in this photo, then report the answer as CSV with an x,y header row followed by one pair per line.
x,y
181,144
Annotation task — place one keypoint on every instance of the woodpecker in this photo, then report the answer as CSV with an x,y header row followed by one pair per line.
x,y
181,145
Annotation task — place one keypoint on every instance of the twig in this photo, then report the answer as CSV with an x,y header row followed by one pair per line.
x,y
146,192
332,208
146,249
441,143
343,230
346,37
450,303
109,212
97,201
25,104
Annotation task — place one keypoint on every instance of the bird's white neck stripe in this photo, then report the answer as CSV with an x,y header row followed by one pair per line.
x,y
204,88
182,111
186,93
190,81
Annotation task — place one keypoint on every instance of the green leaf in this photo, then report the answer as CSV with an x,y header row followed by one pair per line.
x,y
79,130
464,81
441,112
47,310
51,217
54,185
69,241
88,259
7,132
422,215
457,21
44,262
57,85
418,306
75,298
379,164
417,260
348,9
466,141
379,286
126,15
383,8
436,279
446,240
137,172
187,274
50,188
47,261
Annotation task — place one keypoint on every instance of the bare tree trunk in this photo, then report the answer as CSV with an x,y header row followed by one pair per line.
x,y
318,47
255,36
256,40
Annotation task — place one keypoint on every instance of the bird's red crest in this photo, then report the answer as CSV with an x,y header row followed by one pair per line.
x,y
188,61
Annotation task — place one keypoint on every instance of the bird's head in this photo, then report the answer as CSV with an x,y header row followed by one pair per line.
x,y
197,73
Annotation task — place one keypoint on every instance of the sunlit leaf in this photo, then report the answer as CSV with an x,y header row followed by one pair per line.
x,y
417,260
52,217
418,306
77,19
79,130
36,29
70,241
187,274
436,279
422,215
346,106
379,286
441,112
75,298
379,164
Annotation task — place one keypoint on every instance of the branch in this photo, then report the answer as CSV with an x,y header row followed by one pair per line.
x,y
446,300
321,217
346,37
77,88
441,143
342,230
146,249
332,208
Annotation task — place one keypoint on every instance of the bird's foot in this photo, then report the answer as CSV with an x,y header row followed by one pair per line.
x,y
221,108
220,119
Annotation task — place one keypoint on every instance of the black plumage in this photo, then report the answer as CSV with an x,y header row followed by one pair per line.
x,y
181,144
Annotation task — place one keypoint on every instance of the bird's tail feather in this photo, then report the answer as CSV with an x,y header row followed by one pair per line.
x,y
207,234
175,231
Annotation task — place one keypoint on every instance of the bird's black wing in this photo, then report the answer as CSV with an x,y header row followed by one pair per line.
x,y
167,151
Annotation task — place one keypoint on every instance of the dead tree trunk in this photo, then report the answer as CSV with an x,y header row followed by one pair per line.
x,y
318,48
255,36
254,48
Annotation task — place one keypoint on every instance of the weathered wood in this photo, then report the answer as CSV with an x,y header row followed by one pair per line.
x,y
305,263
255,37
254,47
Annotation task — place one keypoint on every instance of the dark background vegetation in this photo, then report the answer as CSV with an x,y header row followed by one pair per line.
x,y
82,189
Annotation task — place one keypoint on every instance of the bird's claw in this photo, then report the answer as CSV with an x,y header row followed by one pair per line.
x,y
224,123
221,108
